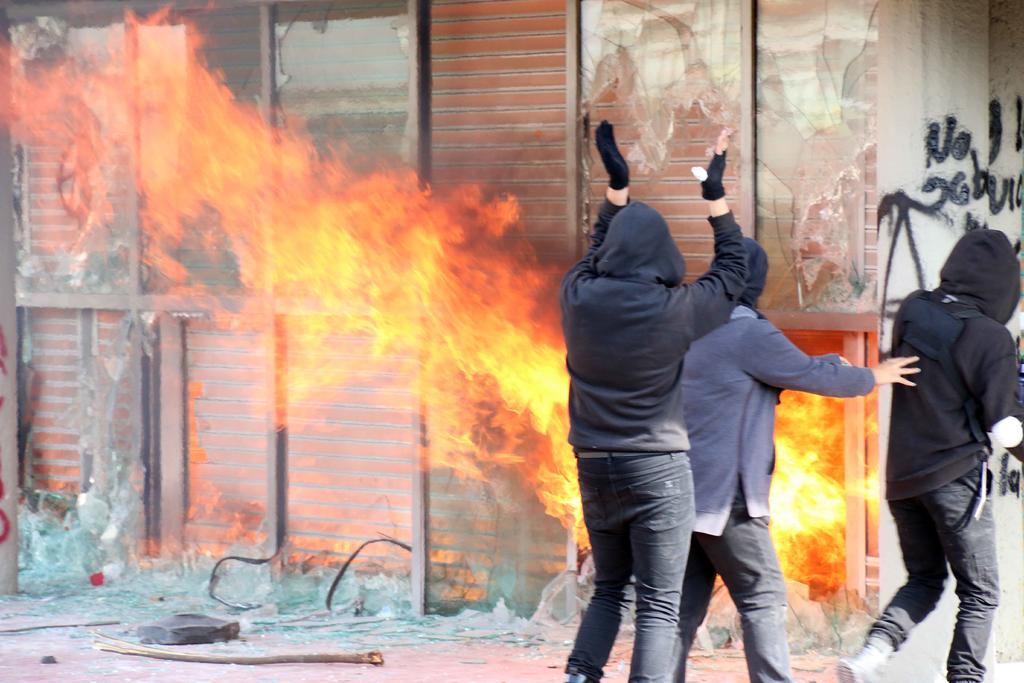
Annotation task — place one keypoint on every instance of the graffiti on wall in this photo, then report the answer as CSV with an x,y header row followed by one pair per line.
x,y
1009,477
5,523
948,184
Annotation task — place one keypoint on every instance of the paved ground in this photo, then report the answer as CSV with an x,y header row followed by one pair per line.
x,y
468,662
467,649
470,648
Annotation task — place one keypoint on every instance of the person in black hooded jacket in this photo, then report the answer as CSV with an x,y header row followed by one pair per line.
x,y
628,322
937,479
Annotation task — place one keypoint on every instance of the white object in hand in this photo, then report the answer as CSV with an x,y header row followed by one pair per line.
x,y
1007,433
699,173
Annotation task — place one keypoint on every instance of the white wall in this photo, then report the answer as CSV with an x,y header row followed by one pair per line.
x,y
1006,78
934,62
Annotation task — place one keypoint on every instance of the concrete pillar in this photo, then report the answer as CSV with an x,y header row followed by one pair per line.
x,y
8,359
1006,82
935,60
932,65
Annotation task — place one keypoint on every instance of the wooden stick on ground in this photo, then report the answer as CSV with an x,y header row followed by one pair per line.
x,y
25,629
111,644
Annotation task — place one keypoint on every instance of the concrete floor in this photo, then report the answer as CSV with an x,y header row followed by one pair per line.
x,y
468,662
465,649
449,650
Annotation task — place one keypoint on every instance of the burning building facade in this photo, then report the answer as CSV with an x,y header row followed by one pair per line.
x,y
284,273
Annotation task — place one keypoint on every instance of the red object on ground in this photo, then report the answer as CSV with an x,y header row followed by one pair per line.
x,y
96,579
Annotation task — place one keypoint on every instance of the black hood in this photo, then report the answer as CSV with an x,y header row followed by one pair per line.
x,y
640,247
982,270
757,272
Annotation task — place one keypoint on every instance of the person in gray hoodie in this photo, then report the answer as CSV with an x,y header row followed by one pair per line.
x,y
732,379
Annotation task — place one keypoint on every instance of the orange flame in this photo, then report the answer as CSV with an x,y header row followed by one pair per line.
x,y
809,490
441,279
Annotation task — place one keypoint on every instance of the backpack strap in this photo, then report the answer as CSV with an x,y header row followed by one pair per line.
x,y
970,405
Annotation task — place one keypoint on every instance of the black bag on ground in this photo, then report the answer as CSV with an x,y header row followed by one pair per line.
x,y
188,629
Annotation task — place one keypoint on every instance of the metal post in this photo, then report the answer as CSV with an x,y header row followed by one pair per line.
x,y
420,88
748,117
575,193
574,208
276,409
855,468
8,357
173,433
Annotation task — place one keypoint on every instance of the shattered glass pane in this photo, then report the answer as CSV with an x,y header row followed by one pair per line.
x,y
816,118
343,75
82,477
667,74
488,542
73,183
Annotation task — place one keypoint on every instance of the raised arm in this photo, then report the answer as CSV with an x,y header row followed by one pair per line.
x,y
709,301
616,197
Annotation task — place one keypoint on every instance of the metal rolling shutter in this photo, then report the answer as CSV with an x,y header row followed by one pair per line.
x,y
353,430
227,435
353,444
54,367
499,97
231,46
498,119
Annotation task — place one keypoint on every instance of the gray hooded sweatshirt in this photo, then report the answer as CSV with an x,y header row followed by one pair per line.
x,y
732,378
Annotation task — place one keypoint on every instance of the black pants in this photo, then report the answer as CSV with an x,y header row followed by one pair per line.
x,y
744,556
936,528
639,513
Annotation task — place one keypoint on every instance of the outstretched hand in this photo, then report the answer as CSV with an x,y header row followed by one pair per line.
x,y
614,163
711,184
895,371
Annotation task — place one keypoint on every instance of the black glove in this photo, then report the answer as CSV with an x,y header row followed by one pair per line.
x,y
712,188
618,169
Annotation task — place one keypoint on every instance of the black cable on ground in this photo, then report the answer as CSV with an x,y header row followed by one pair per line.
x,y
215,578
352,557
280,531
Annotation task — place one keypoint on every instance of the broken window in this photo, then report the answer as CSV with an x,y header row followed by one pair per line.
x,y
72,188
816,116
668,76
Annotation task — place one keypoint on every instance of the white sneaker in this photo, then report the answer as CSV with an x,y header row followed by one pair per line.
x,y
866,665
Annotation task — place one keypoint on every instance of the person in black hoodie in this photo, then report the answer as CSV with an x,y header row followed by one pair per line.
x,y
628,322
937,479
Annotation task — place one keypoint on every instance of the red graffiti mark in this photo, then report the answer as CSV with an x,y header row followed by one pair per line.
x,y
5,523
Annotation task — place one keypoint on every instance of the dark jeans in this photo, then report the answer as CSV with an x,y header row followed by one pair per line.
x,y
936,528
639,513
745,558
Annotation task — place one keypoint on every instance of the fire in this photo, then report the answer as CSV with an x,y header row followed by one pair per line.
x,y
808,497
441,279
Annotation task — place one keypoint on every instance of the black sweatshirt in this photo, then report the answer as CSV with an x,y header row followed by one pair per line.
x,y
930,442
628,323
